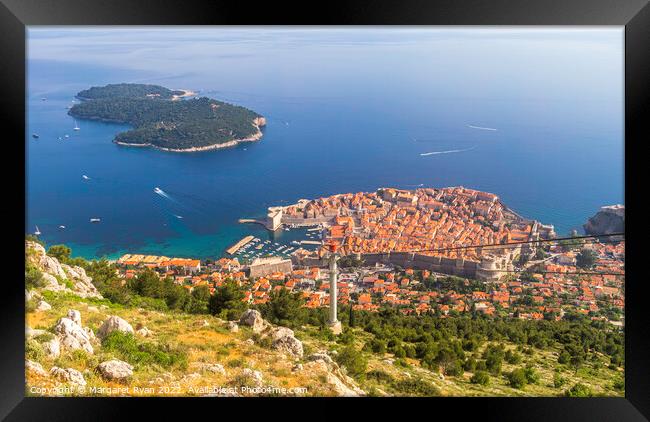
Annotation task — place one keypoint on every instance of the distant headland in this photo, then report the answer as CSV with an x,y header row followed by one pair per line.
x,y
162,119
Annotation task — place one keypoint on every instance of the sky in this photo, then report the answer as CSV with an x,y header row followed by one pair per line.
x,y
486,62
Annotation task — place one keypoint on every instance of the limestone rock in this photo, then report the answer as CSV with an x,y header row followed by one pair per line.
x,y
212,367
68,375
285,341
43,306
31,332
75,316
35,367
114,323
254,376
115,370
72,336
233,327
191,377
52,348
253,319
144,332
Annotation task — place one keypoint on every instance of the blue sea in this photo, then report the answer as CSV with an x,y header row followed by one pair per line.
x,y
348,110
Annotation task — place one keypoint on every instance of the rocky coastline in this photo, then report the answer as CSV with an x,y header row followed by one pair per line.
x,y
258,123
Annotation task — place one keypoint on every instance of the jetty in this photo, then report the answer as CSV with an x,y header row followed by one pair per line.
x,y
234,248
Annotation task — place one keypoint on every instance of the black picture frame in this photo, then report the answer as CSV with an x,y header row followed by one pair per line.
x,y
15,15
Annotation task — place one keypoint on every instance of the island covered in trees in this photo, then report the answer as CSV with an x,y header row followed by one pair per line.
x,y
162,118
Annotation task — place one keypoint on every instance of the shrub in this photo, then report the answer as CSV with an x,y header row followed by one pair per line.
x,y
236,363
512,357
130,349
579,390
564,357
517,378
531,375
558,381
416,386
354,361
33,350
380,376
33,277
480,377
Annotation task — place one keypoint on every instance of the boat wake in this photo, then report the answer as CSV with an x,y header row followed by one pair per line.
x,y
451,151
481,128
162,193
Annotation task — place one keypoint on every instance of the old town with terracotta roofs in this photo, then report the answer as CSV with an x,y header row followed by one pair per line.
x,y
416,251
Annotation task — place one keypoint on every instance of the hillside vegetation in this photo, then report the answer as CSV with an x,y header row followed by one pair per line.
x,y
79,339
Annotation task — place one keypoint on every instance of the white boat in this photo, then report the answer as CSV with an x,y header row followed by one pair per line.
x,y
62,227
37,232
180,217
76,126
158,190
83,176
295,242
66,136
95,220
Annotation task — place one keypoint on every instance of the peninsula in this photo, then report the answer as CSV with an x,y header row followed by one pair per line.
x,y
162,119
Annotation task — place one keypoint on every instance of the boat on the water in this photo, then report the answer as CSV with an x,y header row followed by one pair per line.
x,y
76,126
157,190
95,220
62,227
83,176
37,232
35,135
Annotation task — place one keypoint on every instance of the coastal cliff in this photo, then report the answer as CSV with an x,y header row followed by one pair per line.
x,y
610,219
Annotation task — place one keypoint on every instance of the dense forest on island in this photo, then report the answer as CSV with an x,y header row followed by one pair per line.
x,y
161,120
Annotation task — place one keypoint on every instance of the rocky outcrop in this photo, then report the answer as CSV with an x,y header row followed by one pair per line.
x,y
72,335
253,319
52,348
342,384
43,306
115,370
285,341
255,377
35,368
232,326
114,323
215,368
53,271
68,375
610,219
144,332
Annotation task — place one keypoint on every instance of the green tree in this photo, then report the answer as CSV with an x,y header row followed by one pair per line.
x,y
352,323
227,301
354,361
283,308
60,252
586,258
200,299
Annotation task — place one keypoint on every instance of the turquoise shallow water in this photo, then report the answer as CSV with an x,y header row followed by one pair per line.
x,y
342,117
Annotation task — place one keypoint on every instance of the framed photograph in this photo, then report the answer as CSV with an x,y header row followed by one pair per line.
x,y
379,201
